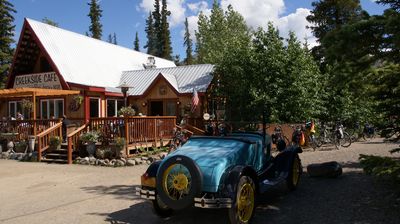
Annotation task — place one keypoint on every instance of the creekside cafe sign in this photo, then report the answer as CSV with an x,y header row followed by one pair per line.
x,y
48,80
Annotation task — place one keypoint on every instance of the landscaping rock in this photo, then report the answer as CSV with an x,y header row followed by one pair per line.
x,y
148,162
102,163
138,161
20,156
131,162
151,159
144,158
119,163
106,161
13,156
84,162
92,160
123,160
34,157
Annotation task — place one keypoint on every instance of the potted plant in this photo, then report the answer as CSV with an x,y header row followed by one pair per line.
x,y
120,146
21,146
55,143
90,138
127,111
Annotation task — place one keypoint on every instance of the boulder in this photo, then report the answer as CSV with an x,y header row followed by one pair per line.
x,y
130,162
13,156
144,158
138,161
148,162
329,169
119,163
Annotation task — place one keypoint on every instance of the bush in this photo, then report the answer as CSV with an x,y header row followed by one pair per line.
x,y
90,137
381,166
55,141
127,111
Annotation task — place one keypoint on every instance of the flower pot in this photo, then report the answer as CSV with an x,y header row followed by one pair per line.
x,y
91,148
10,146
31,143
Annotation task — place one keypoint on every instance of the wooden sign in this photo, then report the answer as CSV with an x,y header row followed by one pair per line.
x,y
48,80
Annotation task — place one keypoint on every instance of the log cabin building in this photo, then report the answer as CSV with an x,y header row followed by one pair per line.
x,y
84,75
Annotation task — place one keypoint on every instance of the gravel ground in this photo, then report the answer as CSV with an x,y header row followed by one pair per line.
x,y
47,193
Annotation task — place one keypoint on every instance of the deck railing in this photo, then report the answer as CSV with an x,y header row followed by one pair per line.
x,y
24,128
73,140
43,138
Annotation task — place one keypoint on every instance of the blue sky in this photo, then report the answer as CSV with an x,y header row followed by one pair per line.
x,y
125,17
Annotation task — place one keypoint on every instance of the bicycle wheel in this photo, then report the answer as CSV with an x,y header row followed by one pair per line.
x,y
346,140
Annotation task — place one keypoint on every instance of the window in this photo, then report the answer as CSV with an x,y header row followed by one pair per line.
x,y
113,106
50,108
94,107
16,106
171,108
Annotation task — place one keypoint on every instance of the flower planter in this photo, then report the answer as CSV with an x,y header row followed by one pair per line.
x,y
31,143
91,148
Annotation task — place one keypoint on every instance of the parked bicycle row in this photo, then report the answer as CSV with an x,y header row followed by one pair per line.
x,y
316,135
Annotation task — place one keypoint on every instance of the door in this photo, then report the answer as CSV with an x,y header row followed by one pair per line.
x,y
156,108
94,107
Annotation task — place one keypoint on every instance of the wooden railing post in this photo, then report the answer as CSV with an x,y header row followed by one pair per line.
x,y
39,153
69,150
126,135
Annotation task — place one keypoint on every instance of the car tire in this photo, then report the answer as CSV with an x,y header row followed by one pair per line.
x,y
295,171
161,209
242,211
178,189
329,169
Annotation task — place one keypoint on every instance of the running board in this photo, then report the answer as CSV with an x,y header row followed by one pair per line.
x,y
267,184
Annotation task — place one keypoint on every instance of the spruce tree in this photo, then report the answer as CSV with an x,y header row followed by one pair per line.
x,y
165,40
115,39
189,45
157,29
95,14
49,21
6,34
110,39
151,35
136,43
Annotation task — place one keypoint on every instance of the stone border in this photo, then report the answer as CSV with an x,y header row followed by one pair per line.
x,y
122,162
27,157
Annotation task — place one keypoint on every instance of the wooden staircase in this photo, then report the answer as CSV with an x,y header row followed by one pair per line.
x,y
57,156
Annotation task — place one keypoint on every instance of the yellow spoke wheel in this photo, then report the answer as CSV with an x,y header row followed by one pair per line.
x,y
246,202
296,172
176,181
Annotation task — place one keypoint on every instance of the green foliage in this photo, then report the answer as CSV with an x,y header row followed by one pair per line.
x,y
6,39
381,166
90,137
189,44
95,13
151,35
55,141
120,142
127,111
157,30
50,22
136,43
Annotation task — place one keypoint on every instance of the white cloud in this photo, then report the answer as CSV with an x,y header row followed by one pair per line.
x,y
198,7
257,13
297,23
175,6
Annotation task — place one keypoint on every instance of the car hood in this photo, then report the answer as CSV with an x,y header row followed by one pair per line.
x,y
213,160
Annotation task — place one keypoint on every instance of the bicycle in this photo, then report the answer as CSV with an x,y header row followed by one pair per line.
x,y
368,132
179,138
278,135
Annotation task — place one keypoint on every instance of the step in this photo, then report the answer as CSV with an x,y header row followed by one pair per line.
x,y
47,160
56,155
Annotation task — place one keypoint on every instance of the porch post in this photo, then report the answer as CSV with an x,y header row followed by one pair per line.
x,y
126,120
34,112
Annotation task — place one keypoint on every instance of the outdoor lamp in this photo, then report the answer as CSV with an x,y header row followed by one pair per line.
x,y
124,89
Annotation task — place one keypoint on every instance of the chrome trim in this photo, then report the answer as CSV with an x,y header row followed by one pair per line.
x,y
146,194
213,203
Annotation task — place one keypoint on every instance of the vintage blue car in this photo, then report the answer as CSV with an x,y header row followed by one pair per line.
x,y
220,172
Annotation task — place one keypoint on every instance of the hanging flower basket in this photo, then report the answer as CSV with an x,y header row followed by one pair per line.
x,y
26,104
76,103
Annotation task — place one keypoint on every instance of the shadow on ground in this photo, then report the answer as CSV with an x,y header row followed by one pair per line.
x,y
119,191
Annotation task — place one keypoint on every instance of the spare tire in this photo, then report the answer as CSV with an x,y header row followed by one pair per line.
x,y
179,181
329,169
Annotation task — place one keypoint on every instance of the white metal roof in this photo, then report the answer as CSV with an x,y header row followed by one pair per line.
x,y
85,60
183,78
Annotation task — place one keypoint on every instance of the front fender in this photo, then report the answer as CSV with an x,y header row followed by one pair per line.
x,y
284,160
230,179
148,179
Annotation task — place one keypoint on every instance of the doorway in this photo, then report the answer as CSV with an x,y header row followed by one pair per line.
x,y
156,108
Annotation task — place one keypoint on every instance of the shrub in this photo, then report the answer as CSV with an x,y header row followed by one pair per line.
x,y
90,137
55,141
127,111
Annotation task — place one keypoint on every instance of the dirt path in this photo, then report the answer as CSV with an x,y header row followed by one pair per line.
x,y
43,193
